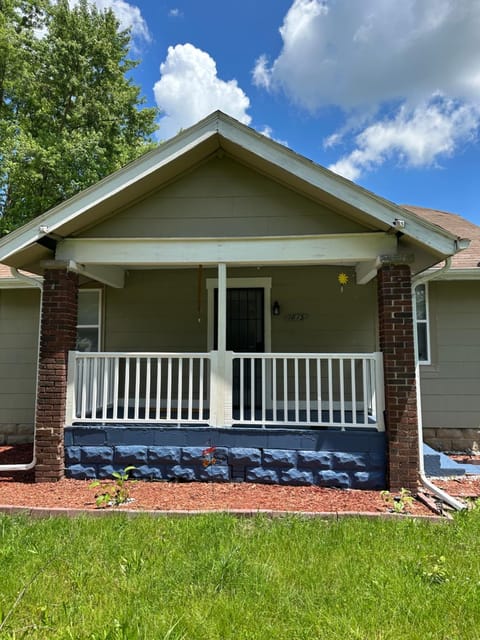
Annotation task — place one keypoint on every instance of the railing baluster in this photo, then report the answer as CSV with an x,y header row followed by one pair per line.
x,y
94,389
106,371
201,364
307,388
285,390
274,389
264,392
296,387
116,390
365,392
158,396
169,388
252,388
330,391
342,393
147,389
319,390
241,382
180,389
190,388
137,388
353,384
126,394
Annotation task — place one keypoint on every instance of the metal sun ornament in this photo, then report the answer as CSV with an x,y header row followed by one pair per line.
x,y
343,280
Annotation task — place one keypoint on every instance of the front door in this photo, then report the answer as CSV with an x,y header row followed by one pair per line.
x,y
245,334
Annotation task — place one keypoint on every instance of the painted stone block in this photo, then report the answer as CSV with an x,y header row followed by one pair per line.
x,y
350,461
81,472
315,459
329,478
164,454
244,456
178,472
146,472
126,455
279,458
96,455
219,473
296,477
368,480
261,475
72,455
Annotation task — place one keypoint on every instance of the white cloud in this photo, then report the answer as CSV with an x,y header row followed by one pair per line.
x,y
128,15
416,137
422,56
355,54
189,89
175,13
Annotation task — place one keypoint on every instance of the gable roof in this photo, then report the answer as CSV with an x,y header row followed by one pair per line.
x,y
468,258
218,134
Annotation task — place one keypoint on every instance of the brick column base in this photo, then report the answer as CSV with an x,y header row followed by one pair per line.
x,y
57,338
397,344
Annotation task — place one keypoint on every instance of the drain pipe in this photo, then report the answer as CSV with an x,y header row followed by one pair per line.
x,y
428,484
30,280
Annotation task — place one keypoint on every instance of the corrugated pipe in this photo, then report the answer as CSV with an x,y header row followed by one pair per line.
x,y
428,484
39,284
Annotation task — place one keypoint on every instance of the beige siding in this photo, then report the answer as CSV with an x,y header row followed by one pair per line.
x,y
157,311
451,384
223,198
19,313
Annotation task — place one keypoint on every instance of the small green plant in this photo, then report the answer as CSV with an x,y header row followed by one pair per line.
x,y
116,493
434,570
399,503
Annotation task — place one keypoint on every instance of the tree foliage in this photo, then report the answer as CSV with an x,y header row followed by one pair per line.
x,y
69,113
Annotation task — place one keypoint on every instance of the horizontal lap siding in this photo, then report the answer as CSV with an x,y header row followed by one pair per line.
x,y
19,313
451,384
223,198
157,311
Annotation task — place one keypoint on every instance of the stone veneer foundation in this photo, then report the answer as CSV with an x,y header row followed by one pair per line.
x,y
348,459
450,439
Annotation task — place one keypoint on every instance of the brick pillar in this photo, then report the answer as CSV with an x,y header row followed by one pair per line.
x,y
397,345
57,337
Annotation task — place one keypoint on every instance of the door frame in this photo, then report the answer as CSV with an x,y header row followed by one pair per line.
x,y
241,283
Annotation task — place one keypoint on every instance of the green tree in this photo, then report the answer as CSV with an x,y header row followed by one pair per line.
x,y
69,113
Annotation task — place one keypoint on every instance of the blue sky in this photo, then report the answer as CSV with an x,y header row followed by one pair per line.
x,y
386,93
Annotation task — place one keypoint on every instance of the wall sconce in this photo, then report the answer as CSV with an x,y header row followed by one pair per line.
x,y
276,308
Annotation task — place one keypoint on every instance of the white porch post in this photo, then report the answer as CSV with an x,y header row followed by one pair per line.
x,y
221,382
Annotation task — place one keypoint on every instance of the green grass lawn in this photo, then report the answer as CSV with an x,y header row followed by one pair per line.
x,y
219,577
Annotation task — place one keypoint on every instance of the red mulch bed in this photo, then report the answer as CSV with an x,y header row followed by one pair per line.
x,y
18,489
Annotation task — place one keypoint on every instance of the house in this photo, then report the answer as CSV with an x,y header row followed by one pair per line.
x,y
222,308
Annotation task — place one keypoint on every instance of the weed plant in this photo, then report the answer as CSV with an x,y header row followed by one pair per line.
x,y
217,577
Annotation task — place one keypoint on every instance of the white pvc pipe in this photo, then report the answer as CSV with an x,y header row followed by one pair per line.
x,y
440,493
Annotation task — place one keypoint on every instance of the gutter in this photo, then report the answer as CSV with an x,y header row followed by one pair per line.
x,y
39,284
428,484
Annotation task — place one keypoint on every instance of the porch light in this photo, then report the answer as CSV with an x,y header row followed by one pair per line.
x,y
276,308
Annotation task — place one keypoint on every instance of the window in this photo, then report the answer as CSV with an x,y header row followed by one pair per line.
x,y
88,324
421,322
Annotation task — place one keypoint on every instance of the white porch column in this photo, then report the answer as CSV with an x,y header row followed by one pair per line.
x,y
222,308
221,383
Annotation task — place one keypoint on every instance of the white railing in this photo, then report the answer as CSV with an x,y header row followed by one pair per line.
x,y
258,389
139,387
326,390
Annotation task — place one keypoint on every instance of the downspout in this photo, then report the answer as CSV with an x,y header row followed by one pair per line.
x,y
443,495
36,283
